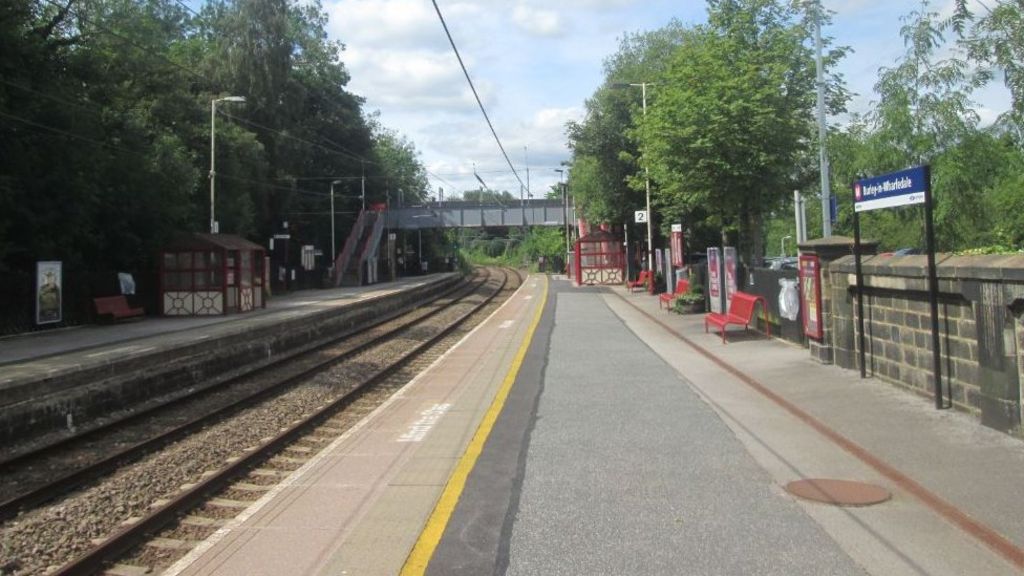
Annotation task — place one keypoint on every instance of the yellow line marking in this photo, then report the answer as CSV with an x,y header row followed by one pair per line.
x,y
423,551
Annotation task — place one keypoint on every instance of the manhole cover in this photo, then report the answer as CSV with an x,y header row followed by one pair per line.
x,y
838,492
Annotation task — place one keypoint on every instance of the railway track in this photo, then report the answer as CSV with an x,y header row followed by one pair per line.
x,y
153,491
32,478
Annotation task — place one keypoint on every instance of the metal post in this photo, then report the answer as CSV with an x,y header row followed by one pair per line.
x,y
800,216
860,291
333,243
933,289
362,188
213,156
826,190
647,184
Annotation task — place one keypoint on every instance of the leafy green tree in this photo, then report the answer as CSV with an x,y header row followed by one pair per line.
x,y
732,118
605,158
997,39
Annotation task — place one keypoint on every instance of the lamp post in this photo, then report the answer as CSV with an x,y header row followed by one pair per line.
x,y
647,175
784,238
565,208
333,244
213,153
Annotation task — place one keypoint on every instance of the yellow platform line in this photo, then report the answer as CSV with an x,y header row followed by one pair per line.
x,y
423,551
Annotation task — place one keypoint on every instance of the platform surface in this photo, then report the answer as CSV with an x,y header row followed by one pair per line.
x,y
39,354
630,442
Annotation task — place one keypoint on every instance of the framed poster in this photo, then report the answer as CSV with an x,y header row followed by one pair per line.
x,y
730,272
677,245
715,280
810,295
49,284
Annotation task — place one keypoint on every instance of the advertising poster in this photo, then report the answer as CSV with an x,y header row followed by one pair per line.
x,y
677,245
715,280
730,272
49,284
810,295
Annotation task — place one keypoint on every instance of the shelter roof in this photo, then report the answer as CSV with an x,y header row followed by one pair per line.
x,y
203,241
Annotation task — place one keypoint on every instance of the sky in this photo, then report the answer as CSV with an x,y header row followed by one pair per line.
x,y
534,64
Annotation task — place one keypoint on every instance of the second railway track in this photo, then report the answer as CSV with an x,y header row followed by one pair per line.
x,y
105,519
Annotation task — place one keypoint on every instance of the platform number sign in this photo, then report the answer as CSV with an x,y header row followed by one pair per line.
x,y
640,217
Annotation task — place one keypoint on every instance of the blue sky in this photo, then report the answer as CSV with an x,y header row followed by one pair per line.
x,y
534,64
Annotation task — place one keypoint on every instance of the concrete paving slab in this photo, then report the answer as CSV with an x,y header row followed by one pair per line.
x,y
628,472
902,536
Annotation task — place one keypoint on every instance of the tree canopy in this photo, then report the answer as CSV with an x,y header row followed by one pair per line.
x,y
105,135
729,130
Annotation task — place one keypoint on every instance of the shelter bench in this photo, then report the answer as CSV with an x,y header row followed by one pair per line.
x,y
116,307
741,313
641,280
682,287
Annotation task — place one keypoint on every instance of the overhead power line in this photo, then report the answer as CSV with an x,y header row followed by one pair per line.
x,y
475,94
344,153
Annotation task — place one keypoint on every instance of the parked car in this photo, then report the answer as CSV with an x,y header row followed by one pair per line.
x,y
782,263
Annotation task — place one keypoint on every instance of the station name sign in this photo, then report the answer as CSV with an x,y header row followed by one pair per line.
x,y
901,188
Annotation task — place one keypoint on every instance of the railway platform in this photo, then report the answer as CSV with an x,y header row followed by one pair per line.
x,y
35,347
53,381
583,431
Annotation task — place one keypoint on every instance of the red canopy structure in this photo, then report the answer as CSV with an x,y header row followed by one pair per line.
x,y
211,274
600,259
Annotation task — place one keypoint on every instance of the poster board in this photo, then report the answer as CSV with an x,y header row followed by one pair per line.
x,y
715,280
677,245
49,286
731,284
810,296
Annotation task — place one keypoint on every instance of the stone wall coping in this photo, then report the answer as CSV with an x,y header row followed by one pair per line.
x,y
1007,267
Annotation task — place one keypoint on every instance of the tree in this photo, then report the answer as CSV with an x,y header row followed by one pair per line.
x,y
732,117
604,156
997,39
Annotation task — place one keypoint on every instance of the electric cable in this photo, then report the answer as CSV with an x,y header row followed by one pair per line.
x,y
475,94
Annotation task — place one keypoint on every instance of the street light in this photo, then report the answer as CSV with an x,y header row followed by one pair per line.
x,y
213,153
565,208
332,221
647,175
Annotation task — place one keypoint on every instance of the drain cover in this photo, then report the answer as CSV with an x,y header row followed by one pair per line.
x,y
838,492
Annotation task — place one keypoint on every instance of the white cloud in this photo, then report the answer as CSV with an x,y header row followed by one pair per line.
x,y
396,24
421,79
537,21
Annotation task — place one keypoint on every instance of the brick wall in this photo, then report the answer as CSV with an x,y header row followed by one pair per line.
x,y
981,301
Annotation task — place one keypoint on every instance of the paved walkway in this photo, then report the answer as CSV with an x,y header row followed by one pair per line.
x,y
652,448
632,443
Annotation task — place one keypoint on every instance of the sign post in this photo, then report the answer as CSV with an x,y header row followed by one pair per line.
x,y
903,188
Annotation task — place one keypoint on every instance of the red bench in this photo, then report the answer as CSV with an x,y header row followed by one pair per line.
x,y
116,307
641,280
741,313
682,287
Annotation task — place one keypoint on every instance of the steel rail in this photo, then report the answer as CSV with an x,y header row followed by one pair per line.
x,y
122,541
62,484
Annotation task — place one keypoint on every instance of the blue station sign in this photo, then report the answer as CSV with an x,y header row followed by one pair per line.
x,y
901,188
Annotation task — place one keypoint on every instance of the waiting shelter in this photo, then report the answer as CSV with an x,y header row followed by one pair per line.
x,y
599,259
211,274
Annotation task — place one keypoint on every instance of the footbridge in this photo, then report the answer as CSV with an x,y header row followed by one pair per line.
x,y
475,215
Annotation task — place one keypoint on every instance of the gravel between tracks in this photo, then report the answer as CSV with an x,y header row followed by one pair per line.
x,y
41,540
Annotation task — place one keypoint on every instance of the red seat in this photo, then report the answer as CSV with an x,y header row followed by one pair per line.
x,y
682,287
116,306
641,281
741,313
